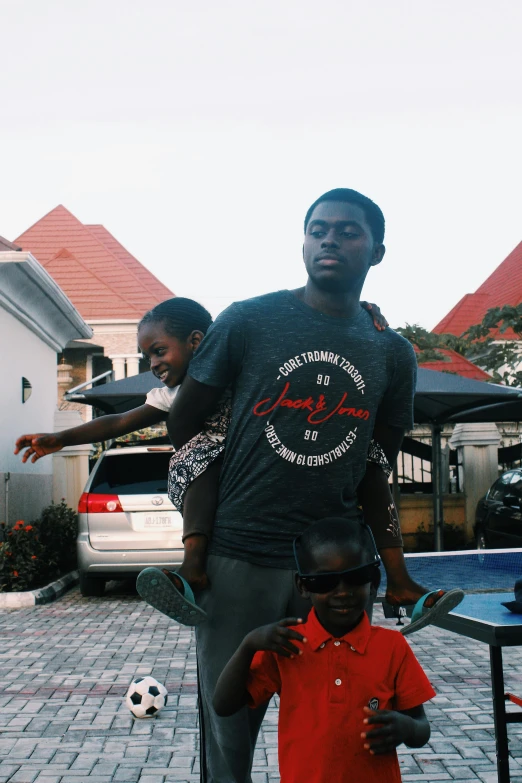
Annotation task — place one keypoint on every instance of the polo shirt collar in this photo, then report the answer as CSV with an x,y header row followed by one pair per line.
x,y
357,638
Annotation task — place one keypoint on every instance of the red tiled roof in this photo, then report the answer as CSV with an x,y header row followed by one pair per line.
x,y
100,277
142,273
502,287
456,364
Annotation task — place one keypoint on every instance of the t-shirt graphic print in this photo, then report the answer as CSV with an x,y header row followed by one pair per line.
x,y
316,390
307,389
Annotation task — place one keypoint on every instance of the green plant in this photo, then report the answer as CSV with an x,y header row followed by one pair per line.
x,y
32,555
58,530
20,556
496,354
483,344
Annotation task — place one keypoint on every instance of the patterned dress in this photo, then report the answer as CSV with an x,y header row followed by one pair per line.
x,y
188,462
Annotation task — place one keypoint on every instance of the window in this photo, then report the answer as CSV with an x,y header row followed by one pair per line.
x,y
26,389
132,474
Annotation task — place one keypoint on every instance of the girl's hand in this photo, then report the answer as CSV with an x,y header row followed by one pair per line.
x,y
379,321
276,638
37,445
394,728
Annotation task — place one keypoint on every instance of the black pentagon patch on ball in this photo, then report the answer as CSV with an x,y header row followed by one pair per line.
x,y
154,691
137,680
151,711
166,700
136,698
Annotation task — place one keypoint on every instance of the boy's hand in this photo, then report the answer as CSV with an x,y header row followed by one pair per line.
x,y
379,321
393,728
276,637
38,445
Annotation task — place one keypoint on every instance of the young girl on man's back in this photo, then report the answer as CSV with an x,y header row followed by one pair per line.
x,y
168,335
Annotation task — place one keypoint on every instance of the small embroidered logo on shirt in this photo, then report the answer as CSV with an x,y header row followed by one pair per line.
x,y
373,704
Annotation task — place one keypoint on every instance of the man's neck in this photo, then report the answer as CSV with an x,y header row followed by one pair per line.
x,y
344,304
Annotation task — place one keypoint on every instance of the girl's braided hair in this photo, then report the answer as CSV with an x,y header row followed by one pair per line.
x,y
179,317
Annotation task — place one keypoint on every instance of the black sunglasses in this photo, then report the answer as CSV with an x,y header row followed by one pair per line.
x,y
326,582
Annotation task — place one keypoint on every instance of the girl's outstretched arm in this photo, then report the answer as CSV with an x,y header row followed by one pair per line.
x,y
104,428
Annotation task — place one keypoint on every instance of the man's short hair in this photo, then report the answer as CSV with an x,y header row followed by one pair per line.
x,y
371,211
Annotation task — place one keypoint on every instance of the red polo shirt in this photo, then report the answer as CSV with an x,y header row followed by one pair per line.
x,y
322,695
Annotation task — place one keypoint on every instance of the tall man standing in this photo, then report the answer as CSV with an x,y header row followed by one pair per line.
x,y
312,381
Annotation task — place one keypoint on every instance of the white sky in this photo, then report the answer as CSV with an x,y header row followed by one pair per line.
x,y
198,133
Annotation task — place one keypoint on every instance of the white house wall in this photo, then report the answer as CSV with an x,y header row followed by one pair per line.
x,y
29,487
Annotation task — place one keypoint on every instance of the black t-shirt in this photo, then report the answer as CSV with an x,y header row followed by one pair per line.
x,y
307,389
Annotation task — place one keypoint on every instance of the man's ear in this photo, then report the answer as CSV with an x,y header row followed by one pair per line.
x,y
377,255
300,587
194,339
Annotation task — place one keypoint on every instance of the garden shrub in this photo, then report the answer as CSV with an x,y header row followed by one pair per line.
x,y
32,555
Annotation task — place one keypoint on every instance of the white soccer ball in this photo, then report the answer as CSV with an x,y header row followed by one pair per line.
x,y
146,697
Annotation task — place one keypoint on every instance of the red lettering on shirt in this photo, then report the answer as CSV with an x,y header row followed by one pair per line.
x,y
308,404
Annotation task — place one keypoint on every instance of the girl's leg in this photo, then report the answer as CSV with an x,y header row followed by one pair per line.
x,y
381,515
199,509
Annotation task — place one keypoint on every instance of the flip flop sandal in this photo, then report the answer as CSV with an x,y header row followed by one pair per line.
x,y
421,616
157,590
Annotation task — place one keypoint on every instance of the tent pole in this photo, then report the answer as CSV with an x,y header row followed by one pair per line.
x,y
438,494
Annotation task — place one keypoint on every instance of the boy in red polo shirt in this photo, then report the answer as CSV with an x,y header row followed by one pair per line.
x,y
350,693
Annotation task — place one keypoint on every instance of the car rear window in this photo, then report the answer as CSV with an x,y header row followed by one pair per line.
x,y
132,474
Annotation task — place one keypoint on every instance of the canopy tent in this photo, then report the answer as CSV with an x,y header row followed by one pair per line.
x,y
117,396
443,398
439,398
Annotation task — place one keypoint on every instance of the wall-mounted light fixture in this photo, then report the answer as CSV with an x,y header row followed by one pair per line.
x,y
27,389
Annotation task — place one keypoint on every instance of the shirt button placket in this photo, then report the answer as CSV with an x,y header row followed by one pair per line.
x,y
338,668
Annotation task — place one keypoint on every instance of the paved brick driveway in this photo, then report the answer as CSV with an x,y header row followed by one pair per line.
x,y
64,668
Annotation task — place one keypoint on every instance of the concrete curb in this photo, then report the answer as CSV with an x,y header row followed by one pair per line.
x,y
44,595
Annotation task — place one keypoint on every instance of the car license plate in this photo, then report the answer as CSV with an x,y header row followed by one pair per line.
x,y
145,521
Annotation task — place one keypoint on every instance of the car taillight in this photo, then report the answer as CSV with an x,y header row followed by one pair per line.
x,y
82,503
98,504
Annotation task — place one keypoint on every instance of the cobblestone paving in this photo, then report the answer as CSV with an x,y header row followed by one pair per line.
x,y
64,668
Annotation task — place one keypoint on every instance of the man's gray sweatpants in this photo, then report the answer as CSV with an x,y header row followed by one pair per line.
x,y
242,597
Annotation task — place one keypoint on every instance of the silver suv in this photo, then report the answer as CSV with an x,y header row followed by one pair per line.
x,y
125,520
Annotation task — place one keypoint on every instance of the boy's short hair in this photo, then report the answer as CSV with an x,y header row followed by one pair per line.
x,y
372,212
336,530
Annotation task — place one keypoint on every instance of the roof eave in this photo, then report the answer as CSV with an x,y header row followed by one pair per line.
x,y
26,288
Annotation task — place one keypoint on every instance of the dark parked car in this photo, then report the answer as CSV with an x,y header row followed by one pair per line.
x,y
498,519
